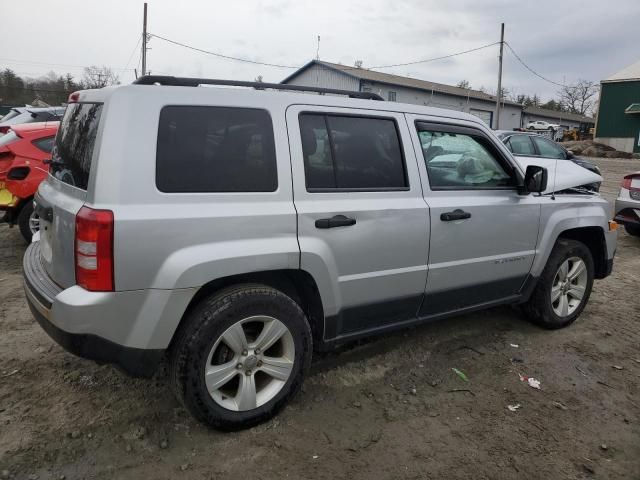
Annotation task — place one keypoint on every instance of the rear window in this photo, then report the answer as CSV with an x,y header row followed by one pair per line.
x,y
215,149
73,148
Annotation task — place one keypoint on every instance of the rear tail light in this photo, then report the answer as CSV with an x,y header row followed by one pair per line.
x,y
4,129
94,249
74,97
626,182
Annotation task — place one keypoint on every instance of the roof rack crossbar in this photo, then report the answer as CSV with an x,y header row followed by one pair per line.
x,y
194,82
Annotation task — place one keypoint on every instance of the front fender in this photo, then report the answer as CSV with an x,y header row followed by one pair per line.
x,y
566,213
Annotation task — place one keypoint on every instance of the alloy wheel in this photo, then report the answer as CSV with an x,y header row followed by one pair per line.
x,y
250,363
569,286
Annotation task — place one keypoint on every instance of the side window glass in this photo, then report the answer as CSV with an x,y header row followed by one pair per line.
x,y
460,161
347,152
521,145
44,144
548,148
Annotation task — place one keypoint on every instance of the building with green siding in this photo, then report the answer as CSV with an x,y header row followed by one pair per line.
x,y
618,122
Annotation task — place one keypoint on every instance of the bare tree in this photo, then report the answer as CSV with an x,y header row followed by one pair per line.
x,y
98,77
464,84
580,97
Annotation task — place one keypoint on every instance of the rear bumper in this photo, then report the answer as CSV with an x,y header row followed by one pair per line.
x,y
627,210
100,326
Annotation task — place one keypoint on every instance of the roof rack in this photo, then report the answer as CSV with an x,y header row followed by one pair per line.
x,y
194,82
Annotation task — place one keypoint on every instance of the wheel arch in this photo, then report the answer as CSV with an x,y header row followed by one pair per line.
x,y
297,284
593,238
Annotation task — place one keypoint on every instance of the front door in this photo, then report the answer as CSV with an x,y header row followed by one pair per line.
x,y
483,233
363,225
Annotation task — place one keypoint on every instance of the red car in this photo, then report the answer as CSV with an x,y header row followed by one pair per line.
x,y
22,153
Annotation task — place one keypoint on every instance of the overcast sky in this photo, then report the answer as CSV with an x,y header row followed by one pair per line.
x,y
562,40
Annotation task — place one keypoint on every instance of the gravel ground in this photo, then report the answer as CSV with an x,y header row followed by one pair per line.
x,y
388,408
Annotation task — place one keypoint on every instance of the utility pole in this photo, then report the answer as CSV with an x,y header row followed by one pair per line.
x,y
499,94
144,41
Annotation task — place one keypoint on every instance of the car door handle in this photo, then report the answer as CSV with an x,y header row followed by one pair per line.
x,y
335,221
455,215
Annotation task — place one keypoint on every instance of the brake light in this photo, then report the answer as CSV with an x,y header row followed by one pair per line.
x,y
4,129
94,249
626,182
74,97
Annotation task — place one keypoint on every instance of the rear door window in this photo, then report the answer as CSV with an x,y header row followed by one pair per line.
x,y
352,153
521,145
72,152
215,149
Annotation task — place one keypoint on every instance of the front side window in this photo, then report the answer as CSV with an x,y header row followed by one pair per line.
x,y
215,149
347,152
548,149
521,145
461,161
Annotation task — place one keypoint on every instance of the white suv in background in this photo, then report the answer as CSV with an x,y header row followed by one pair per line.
x,y
540,125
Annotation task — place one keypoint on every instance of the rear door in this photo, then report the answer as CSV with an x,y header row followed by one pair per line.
x,y
363,225
60,197
483,233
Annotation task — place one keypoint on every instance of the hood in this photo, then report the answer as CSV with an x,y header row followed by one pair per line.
x,y
563,174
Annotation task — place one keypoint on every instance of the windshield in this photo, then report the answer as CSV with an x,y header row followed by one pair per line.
x,y
73,150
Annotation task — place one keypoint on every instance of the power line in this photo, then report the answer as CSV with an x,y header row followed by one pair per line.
x,y
24,62
277,65
228,57
132,53
436,58
531,69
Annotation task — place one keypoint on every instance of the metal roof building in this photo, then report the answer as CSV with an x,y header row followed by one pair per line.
x,y
318,73
618,123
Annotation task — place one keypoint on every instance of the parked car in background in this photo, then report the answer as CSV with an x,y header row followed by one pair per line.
x,y
256,226
628,204
20,115
540,125
23,151
527,144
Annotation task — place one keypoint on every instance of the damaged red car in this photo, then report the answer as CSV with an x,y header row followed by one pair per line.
x,y
23,151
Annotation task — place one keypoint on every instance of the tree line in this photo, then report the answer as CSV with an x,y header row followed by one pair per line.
x,y
580,97
52,89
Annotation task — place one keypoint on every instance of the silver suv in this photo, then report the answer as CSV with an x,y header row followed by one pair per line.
x,y
233,231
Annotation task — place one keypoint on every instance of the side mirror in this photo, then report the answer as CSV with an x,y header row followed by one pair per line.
x,y
535,179
570,155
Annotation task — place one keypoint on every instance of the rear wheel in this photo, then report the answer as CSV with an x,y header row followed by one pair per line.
x,y
633,230
28,221
241,356
564,286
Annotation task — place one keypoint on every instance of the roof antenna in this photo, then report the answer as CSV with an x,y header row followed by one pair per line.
x,y
318,49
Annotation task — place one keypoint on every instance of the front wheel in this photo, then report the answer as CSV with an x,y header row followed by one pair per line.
x,y
241,356
564,287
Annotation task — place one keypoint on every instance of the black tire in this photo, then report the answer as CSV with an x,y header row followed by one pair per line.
x,y
538,309
204,325
633,230
23,221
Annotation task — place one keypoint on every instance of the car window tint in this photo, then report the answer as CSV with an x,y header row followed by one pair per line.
x,y
521,145
44,144
348,152
456,160
215,149
548,149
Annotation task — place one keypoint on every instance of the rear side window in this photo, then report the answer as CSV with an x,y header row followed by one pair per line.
x,y
353,153
521,145
548,149
73,147
215,149
44,144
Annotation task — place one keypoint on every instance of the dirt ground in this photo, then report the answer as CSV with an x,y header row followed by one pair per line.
x,y
387,408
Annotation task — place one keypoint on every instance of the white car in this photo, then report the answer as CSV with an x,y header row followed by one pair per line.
x,y
540,125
